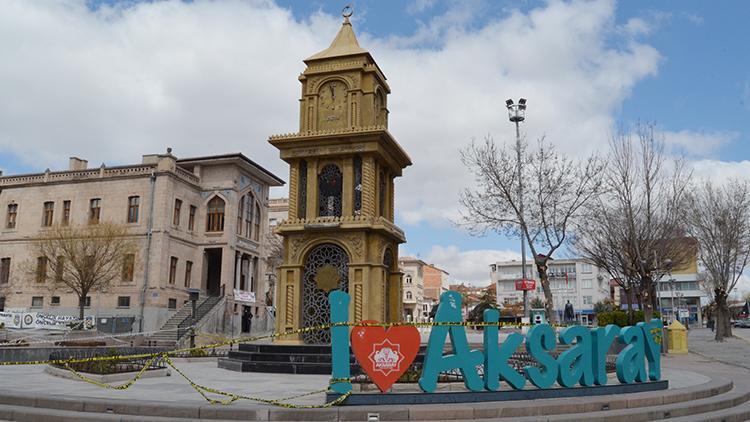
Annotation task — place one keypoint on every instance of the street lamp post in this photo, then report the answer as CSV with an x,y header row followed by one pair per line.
x,y
517,114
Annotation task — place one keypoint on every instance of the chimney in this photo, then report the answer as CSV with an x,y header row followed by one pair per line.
x,y
76,163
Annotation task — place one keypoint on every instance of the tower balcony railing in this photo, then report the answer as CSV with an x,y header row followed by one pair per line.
x,y
341,220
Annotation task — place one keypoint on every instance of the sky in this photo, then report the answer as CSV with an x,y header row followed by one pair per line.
x,y
111,80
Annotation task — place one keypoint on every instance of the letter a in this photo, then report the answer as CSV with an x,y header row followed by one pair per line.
x,y
463,358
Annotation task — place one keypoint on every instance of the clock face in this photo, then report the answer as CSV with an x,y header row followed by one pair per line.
x,y
332,105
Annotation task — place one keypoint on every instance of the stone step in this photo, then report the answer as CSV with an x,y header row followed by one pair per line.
x,y
689,408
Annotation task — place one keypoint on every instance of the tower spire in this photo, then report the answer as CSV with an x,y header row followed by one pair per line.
x,y
345,43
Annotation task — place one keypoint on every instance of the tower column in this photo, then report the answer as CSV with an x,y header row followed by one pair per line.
x,y
347,206
293,188
368,186
312,189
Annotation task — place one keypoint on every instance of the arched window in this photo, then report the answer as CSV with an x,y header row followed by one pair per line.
x,y
215,215
240,213
408,279
408,295
329,191
249,202
256,229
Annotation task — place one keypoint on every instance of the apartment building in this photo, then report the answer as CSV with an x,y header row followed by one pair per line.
x,y
198,222
571,280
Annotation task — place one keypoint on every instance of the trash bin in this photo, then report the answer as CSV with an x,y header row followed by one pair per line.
x,y
677,338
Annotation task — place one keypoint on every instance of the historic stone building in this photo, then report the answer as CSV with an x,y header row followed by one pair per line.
x,y
340,232
199,223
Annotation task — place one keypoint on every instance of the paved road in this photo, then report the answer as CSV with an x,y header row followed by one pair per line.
x,y
733,351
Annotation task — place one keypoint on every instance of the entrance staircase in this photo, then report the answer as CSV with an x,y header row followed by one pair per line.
x,y
178,325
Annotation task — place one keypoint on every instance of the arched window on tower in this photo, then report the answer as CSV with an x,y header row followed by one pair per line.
x,y
329,191
408,295
215,215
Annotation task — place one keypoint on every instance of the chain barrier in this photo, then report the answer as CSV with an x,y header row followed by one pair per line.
x,y
232,397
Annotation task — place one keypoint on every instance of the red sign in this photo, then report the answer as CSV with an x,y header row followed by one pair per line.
x,y
385,355
525,284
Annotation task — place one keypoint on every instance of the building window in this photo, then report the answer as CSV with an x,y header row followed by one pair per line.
x,y
10,222
37,301
66,213
55,301
4,270
191,218
256,227
123,301
357,185
586,268
240,213
134,203
128,267
587,300
59,268
408,279
215,215
329,191
87,302
408,295
586,283
172,269
245,219
95,209
48,213
172,303
41,269
188,272
176,214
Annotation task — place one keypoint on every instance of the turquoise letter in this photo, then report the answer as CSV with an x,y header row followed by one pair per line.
x,y
539,339
575,363
463,358
652,331
601,339
339,302
496,359
630,363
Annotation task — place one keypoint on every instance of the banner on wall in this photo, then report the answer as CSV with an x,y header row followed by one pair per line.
x,y
44,321
242,296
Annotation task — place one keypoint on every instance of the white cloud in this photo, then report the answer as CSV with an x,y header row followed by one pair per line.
x,y
214,77
419,6
468,266
698,144
721,171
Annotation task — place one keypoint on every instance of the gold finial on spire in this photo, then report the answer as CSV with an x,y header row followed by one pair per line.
x,y
347,12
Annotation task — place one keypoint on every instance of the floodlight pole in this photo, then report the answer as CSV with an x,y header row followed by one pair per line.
x,y
517,114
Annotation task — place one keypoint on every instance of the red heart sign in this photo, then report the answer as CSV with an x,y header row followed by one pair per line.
x,y
385,355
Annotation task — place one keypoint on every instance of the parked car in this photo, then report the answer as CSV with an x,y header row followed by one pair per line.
x,y
743,323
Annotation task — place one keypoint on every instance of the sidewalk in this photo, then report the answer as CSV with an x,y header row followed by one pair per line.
x,y
733,351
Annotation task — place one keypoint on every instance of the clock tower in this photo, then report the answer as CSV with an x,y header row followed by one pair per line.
x,y
340,232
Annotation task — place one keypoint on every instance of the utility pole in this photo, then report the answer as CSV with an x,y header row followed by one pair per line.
x,y
517,114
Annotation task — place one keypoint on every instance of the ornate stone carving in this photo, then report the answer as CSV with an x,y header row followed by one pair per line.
x,y
356,243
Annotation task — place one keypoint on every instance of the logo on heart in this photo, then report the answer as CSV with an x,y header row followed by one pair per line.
x,y
385,355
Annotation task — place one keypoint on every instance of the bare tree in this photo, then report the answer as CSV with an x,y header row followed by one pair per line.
x,y
635,229
274,258
719,219
555,190
84,258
